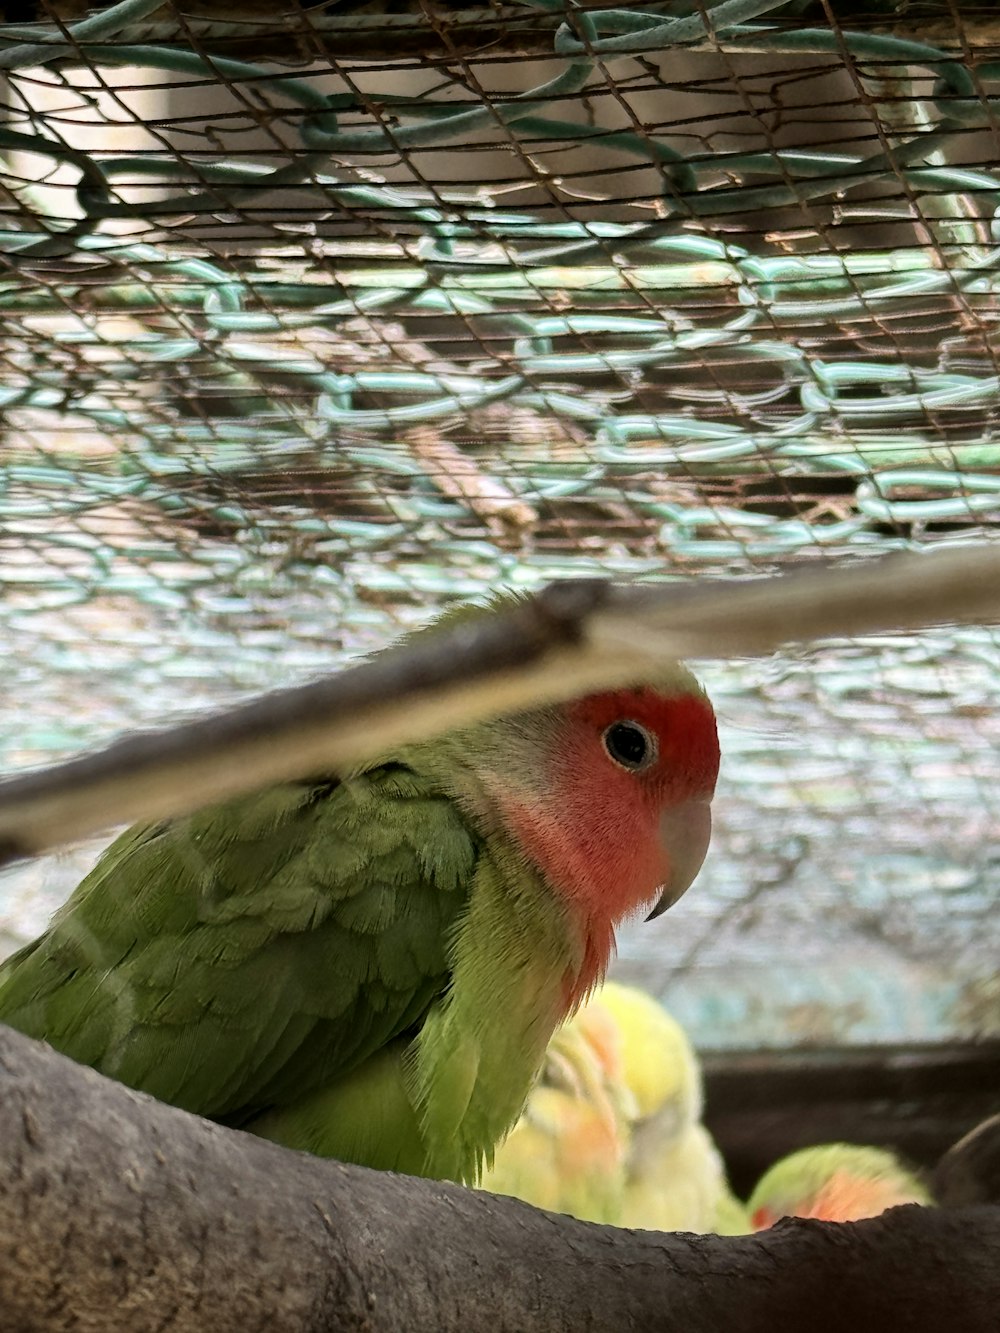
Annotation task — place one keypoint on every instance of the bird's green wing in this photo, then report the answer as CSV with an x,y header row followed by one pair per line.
x,y
233,960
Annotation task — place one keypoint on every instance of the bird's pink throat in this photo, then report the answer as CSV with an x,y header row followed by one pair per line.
x,y
601,873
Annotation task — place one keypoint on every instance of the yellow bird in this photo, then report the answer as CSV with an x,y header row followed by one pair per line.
x,y
567,1151
611,1132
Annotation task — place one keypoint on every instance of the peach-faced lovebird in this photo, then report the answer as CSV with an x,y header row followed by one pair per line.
x,y
835,1182
369,965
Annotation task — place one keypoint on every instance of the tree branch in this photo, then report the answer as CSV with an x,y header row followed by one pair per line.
x,y
572,637
970,1171
120,1213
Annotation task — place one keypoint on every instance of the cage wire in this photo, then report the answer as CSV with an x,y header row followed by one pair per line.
x,y
313,322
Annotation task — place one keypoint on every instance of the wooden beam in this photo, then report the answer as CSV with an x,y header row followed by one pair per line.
x,y
916,1100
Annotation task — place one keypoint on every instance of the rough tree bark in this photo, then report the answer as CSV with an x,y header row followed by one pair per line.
x,y
120,1213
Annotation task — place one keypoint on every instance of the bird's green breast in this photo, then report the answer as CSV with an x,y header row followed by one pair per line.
x,y
515,959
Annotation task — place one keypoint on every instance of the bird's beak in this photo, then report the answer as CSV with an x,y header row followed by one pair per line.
x,y
685,831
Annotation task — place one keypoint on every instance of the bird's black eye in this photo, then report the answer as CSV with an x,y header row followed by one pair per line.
x,y
630,745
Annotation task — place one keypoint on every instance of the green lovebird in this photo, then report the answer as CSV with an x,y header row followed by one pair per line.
x,y
836,1182
370,966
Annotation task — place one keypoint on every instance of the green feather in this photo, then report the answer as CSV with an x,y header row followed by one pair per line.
x,y
234,960
323,963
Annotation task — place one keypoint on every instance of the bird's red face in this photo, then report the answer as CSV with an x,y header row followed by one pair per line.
x,y
621,819
637,777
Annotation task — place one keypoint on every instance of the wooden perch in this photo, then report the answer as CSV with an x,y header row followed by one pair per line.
x,y
119,1214
572,637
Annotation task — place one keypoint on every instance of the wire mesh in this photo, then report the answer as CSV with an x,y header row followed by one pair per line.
x,y
292,356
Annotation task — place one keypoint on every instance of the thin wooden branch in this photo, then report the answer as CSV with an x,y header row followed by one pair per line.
x,y
572,637
970,1171
118,1213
